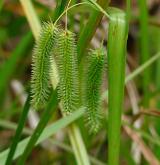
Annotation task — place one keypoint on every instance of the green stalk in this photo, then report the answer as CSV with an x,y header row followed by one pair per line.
x,y
19,130
61,4
75,136
117,36
144,47
156,35
41,125
90,28
158,98
78,145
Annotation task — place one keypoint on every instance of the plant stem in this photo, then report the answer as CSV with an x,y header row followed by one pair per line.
x,y
19,129
41,125
90,28
144,47
61,4
117,37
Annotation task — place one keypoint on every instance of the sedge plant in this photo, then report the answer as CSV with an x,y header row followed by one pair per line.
x,y
50,130
56,62
67,58
41,65
74,133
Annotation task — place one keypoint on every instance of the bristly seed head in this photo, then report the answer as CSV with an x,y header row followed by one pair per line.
x,y
40,79
68,71
93,113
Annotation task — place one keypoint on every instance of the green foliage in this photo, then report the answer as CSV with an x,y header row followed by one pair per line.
x,y
9,67
89,29
18,132
46,115
68,71
47,132
62,69
93,83
41,65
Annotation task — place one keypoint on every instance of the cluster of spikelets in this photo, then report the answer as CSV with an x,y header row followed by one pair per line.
x,y
41,65
68,71
93,83
60,45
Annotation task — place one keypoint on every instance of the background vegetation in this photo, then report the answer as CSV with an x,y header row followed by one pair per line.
x,y
127,83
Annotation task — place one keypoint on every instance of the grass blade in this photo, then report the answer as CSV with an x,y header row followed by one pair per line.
x,y
137,71
142,67
40,127
47,132
90,28
60,7
18,131
32,17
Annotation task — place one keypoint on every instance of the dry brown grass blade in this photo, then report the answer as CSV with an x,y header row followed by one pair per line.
x,y
134,99
151,112
145,150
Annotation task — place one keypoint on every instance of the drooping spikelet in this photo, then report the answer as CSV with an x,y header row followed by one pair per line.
x,y
93,114
68,71
40,80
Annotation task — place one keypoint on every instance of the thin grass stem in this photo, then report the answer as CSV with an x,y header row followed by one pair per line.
x,y
90,28
18,133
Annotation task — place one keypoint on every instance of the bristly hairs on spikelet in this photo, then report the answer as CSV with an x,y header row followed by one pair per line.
x,y
40,79
68,71
93,115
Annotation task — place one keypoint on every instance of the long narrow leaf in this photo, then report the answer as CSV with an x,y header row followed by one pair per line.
x,y
40,127
47,132
18,131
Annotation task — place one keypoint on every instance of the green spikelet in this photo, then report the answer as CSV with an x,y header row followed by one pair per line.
x,y
40,80
68,71
93,114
